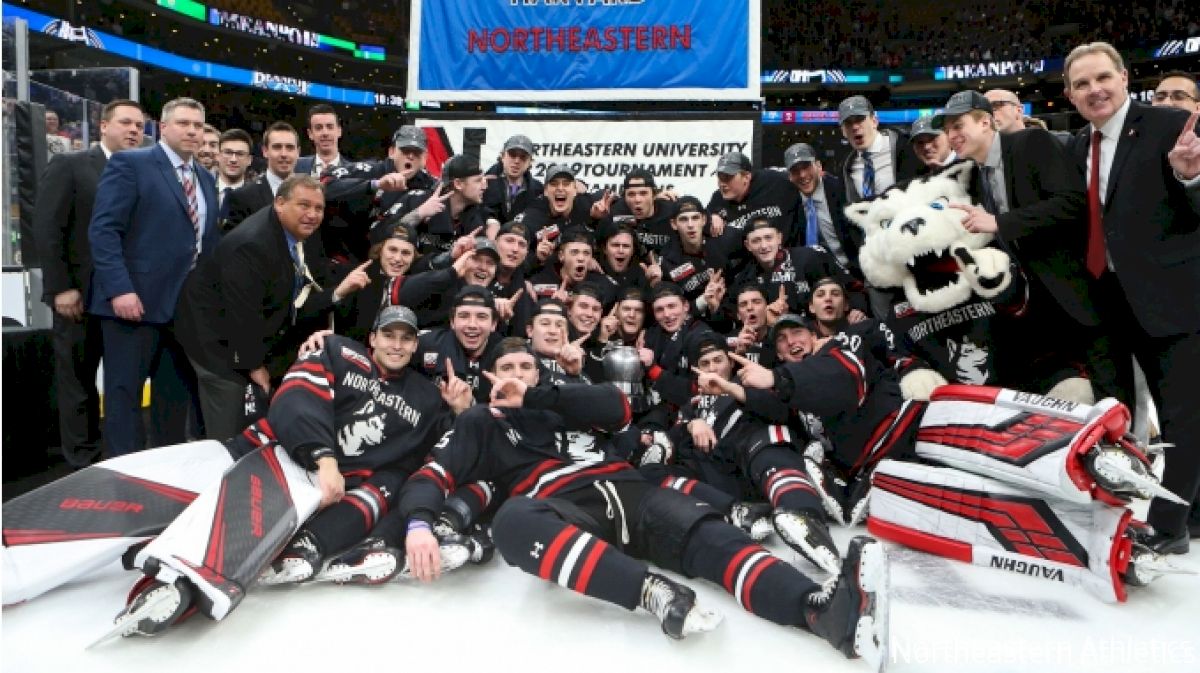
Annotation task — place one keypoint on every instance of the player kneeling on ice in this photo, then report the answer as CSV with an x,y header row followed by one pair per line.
x,y
1030,484
585,523
345,429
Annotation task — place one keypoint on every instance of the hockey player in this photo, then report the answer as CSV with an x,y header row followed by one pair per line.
x,y
575,258
651,214
751,340
464,343
586,523
690,259
560,208
752,436
355,422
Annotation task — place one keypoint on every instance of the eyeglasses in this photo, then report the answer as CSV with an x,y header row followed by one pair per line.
x,y
1177,96
235,154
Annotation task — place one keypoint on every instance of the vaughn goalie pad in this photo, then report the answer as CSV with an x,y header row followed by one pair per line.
x,y
225,538
85,521
970,518
1065,450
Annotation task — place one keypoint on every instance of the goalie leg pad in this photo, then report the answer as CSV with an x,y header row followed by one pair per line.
x,y
228,535
86,520
970,518
1026,440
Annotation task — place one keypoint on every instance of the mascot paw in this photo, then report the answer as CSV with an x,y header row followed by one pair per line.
x,y
986,269
1074,389
920,384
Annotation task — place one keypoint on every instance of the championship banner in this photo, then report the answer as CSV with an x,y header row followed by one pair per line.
x,y
575,50
681,154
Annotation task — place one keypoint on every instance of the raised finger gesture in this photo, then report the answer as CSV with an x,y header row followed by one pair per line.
x,y
506,393
1185,156
435,203
753,374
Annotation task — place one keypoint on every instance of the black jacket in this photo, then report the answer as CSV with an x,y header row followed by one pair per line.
x,y
247,200
60,221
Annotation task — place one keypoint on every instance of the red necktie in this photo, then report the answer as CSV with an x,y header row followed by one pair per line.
x,y
1095,247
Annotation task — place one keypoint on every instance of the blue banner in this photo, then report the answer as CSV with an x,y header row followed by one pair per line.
x,y
577,49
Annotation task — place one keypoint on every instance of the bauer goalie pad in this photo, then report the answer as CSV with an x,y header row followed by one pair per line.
x,y
970,518
85,521
225,538
1064,450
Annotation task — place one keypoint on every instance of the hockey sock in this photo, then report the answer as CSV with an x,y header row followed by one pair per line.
x,y
534,537
467,504
762,584
779,474
346,522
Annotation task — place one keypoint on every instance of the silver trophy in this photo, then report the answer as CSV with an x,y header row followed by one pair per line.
x,y
623,368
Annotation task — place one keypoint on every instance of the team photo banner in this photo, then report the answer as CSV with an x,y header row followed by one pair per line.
x,y
681,154
574,50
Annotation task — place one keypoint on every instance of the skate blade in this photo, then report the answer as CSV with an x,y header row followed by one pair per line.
x,y
1143,483
871,635
126,623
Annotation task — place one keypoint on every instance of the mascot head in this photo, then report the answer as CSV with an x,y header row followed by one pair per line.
x,y
916,241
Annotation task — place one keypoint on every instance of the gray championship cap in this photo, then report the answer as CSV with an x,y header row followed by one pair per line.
x,y
410,137
924,127
854,106
485,246
960,104
556,170
734,163
798,153
519,142
390,315
789,320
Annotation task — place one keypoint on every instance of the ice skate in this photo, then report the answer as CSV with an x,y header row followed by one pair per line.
x,y
805,532
371,561
154,607
1123,471
751,517
300,561
851,612
829,486
1147,565
676,608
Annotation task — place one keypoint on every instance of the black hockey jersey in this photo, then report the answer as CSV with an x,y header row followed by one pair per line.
x,y
336,401
522,450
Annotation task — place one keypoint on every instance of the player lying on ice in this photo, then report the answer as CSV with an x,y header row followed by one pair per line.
x,y
344,431
586,524
991,476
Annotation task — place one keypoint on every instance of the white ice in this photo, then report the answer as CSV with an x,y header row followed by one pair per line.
x,y
946,616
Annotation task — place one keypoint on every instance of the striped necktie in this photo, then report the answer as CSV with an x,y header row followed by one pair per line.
x,y
812,226
304,279
868,180
189,193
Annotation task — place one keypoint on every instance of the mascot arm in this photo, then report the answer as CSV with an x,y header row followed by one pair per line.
x,y
919,383
988,270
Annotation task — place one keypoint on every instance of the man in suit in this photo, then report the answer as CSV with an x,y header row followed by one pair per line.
x,y
60,226
880,158
324,130
819,215
1177,89
280,145
155,215
931,146
233,159
1143,243
247,308
1033,201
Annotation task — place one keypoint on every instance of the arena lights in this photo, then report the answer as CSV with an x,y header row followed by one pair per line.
x,y
1180,47
134,51
271,30
830,117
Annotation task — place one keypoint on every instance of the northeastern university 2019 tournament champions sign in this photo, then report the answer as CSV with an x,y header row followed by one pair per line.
x,y
578,51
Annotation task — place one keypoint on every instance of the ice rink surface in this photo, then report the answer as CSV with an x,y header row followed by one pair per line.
x,y
945,616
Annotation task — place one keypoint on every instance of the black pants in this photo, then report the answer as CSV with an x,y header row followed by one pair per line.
x,y
1172,368
590,540
77,350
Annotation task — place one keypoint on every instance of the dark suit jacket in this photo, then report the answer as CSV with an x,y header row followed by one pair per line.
x,y
1151,221
904,163
849,235
304,164
247,200
141,237
236,310
1046,225
61,217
